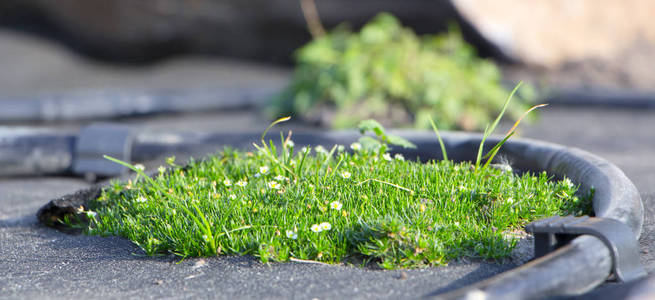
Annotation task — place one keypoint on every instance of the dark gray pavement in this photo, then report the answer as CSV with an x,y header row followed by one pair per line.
x,y
38,262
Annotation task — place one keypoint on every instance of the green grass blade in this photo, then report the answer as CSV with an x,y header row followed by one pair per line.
x,y
495,149
488,130
133,168
502,111
441,144
509,133
479,156
280,120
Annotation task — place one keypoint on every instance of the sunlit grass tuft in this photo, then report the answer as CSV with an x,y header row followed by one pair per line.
x,y
329,205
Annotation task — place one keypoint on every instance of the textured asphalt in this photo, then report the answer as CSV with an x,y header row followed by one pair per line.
x,y
38,262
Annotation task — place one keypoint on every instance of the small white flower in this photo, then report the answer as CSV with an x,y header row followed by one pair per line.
x,y
356,146
205,237
345,174
227,182
280,178
290,144
320,149
316,228
325,226
274,185
386,156
336,205
91,214
341,148
233,196
242,183
263,170
141,199
399,156
161,169
510,200
568,182
305,150
140,167
292,234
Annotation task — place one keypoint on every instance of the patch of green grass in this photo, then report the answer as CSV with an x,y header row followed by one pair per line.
x,y
332,205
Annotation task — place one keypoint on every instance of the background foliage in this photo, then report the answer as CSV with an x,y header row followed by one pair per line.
x,y
387,72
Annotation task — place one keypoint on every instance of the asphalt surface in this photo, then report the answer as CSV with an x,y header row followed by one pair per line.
x,y
38,262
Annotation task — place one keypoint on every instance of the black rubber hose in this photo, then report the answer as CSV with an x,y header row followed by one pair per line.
x,y
87,105
30,152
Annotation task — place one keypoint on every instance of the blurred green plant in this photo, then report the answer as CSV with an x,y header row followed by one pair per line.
x,y
388,73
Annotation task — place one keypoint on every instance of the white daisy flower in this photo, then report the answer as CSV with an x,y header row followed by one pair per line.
x,y
386,156
140,167
91,214
280,178
263,170
242,183
336,205
345,174
356,146
227,182
399,156
161,169
292,234
290,144
233,196
316,228
325,226
141,199
274,185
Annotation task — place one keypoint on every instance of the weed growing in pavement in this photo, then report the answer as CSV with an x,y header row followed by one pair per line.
x,y
282,203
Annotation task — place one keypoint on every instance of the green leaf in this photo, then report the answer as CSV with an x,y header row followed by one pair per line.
x,y
400,141
372,126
